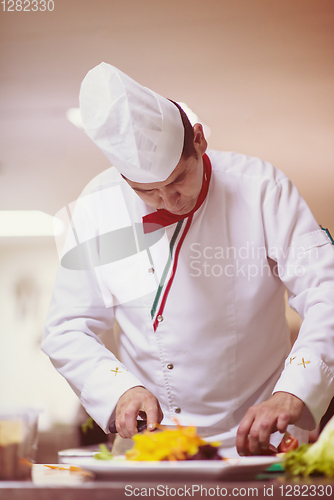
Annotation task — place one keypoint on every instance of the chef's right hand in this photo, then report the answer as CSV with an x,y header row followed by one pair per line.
x,y
135,402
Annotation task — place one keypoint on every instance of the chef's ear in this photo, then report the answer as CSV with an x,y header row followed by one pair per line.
x,y
200,142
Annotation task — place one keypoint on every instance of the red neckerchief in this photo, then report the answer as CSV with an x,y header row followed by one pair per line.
x,y
163,218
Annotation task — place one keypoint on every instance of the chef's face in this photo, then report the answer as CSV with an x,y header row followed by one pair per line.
x,y
179,192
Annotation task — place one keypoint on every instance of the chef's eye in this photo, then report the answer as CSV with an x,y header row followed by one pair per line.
x,y
146,191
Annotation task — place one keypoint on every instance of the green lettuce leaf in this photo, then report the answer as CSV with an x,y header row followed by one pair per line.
x,y
316,459
104,453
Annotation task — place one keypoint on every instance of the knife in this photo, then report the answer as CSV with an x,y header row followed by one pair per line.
x,y
141,426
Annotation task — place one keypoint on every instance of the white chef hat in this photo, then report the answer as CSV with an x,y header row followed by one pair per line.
x,y
140,132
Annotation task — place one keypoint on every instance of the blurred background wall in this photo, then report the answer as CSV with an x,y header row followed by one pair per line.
x,y
258,73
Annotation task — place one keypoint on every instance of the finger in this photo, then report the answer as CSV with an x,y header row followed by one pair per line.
x,y
130,417
123,431
266,426
254,446
283,421
126,422
153,415
271,450
243,432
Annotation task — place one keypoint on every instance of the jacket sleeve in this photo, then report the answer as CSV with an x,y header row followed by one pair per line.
x,y
77,316
304,258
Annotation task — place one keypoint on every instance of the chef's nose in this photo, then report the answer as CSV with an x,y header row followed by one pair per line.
x,y
169,198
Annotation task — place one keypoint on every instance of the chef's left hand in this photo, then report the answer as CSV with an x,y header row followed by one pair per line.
x,y
261,420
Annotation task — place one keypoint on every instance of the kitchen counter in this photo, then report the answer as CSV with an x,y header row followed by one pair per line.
x,y
54,484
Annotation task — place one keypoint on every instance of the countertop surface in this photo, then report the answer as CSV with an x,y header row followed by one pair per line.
x,y
60,482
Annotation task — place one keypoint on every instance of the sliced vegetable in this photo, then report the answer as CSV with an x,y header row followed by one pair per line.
x,y
104,453
182,443
71,468
288,443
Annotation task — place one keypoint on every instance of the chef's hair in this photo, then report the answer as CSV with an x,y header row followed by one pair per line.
x,y
188,143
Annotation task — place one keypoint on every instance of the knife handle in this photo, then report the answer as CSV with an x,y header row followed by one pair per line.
x,y
141,426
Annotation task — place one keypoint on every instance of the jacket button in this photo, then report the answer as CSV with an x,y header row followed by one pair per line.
x,y
151,270
170,366
177,410
160,318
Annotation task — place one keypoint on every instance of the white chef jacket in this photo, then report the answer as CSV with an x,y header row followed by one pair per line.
x,y
222,342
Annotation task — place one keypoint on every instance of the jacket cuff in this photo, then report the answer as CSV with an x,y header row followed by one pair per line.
x,y
102,390
309,379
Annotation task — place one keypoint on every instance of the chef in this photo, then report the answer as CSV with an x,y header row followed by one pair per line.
x,y
190,251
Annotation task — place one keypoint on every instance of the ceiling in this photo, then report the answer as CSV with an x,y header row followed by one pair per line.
x,y
259,73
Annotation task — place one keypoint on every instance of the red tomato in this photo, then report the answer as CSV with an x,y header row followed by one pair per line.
x,y
288,443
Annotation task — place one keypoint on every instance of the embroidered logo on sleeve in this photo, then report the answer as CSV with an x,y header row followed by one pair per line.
x,y
304,363
116,371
